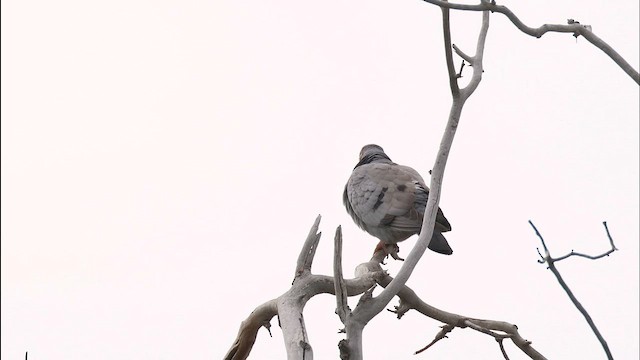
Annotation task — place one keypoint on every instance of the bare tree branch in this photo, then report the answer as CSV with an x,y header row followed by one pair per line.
x,y
369,307
410,300
436,178
592,257
305,259
289,306
462,54
446,29
342,309
551,263
574,28
459,74
249,330
476,61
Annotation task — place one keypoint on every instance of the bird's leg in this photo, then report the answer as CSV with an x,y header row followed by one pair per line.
x,y
387,250
379,254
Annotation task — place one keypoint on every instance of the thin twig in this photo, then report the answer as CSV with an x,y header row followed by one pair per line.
x,y
461,53
459,74
592,257
477,59
439,336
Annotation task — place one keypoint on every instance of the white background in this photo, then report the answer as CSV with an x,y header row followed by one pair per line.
x,y
162,163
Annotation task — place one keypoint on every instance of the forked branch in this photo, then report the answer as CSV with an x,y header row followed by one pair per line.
x,y
547,258
289,306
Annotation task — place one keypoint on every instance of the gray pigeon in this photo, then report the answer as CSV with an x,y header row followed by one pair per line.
x,y
388,200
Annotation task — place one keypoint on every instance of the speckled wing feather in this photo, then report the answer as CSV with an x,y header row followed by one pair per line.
x,y
388,195
442,224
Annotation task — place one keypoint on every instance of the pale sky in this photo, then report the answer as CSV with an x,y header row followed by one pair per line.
x,y
162,163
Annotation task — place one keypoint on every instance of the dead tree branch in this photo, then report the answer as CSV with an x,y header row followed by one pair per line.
x,y
342,309
248,332
289,306
573,27
439,336
453,77
547,258
499,330
573,253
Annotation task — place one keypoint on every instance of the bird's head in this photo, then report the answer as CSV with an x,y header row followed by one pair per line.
x,y
372,153
371,149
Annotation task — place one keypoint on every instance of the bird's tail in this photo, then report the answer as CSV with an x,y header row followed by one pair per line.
x,y
439,244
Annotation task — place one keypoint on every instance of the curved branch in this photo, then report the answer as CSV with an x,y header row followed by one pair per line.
x,y
248,332
378,303
369,306
572,28
410,300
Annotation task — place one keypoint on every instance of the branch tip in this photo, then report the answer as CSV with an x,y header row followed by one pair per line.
x,y
308,251
342,308
442,334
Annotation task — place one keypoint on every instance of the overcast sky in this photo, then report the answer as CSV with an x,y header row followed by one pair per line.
x,y
163,161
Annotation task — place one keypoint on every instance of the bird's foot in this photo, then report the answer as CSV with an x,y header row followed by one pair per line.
x,y
393,250
383,250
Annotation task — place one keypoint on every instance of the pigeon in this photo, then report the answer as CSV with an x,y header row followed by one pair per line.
x,y
388,201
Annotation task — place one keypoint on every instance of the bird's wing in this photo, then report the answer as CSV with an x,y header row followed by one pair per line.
x,y
389,195
442,224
